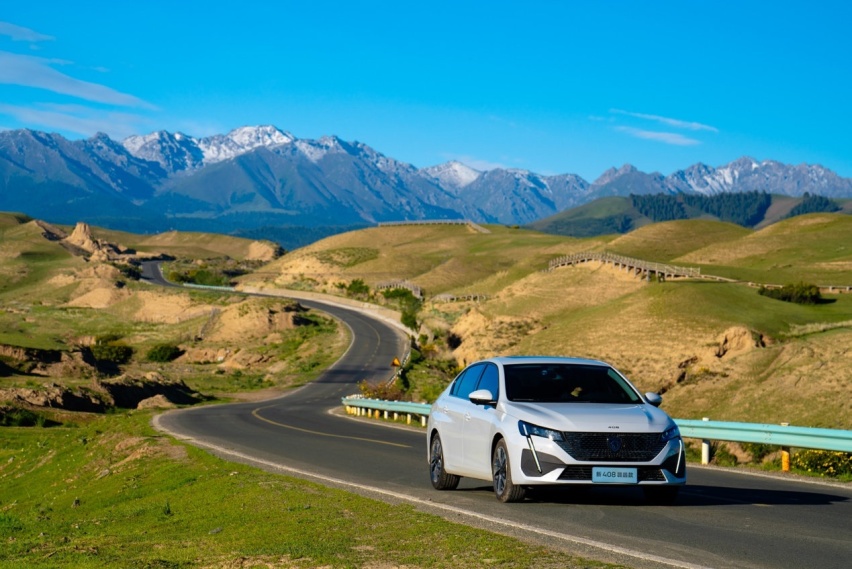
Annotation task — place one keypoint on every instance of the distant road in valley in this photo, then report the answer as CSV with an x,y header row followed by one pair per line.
x,y
723,519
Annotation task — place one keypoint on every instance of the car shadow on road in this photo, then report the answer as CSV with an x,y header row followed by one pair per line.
x,y
694,495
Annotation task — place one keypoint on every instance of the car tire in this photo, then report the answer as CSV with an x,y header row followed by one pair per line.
x,y
441,479
501,472
661,495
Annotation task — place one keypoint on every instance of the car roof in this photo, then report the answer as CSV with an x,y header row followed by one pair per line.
x,y
510,360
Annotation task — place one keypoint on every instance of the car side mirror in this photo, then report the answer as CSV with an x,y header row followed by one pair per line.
x,y
653,398
482,397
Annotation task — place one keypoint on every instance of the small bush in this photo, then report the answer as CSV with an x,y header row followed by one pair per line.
x,y
723,457
109,349
357,287
129,271
800,293
17,417
163,353
758,451
823,462
384,391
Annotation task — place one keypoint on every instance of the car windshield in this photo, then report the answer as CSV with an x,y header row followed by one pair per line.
x,y
567,383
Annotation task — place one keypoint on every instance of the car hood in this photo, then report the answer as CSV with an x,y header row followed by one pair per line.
x,y
592,417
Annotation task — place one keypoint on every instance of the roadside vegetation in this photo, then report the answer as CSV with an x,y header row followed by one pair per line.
x,y
110,491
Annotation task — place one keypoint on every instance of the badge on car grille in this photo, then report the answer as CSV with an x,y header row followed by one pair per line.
x,y
614,444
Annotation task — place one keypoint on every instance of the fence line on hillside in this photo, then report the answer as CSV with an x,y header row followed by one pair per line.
x,y
637,266
469,223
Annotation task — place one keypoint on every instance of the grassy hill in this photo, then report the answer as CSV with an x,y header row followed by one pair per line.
x,y
624,214
52,298
713,347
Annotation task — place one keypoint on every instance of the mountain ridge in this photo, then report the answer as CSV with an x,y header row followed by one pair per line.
x,y
258,176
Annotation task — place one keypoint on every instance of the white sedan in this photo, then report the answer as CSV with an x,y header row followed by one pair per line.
x,y
529,421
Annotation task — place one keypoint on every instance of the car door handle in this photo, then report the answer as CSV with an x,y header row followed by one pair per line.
x,y
446,409
467,416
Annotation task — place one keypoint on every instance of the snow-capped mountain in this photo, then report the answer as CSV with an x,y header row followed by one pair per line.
x,y
178,152
259,176
747,174
241,140
453,175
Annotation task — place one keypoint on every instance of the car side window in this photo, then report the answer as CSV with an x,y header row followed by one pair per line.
x,y
490,380
466,383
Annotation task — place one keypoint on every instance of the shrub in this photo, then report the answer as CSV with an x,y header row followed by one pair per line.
x,y
109,349
385,391
357,287
823,462
129,271
800,293
722,456
758,451
163,353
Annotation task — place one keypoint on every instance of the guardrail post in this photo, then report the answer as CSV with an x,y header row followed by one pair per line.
x,y
785,454
705,447
422,420
408,419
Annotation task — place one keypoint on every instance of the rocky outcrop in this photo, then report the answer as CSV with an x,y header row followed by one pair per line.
x,y
54,396
127,392
84,243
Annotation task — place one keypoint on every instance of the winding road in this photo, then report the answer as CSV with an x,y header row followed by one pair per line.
x,y
722,519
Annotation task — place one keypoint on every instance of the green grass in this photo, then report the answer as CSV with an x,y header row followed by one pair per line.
x,y
114,493
812,248
663,242
348,256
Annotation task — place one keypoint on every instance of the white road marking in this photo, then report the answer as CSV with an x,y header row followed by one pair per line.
x,y
428,504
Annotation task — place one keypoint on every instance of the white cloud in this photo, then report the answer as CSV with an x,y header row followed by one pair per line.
x,y
78,119
673,138
31,71
686,125
17,33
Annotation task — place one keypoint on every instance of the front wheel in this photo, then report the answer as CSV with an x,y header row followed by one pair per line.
x,y
501,472
441,479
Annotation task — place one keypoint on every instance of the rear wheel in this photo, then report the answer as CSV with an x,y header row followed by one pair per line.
x,y
441,479
501,471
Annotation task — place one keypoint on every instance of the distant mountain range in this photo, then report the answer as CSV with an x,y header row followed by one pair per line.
x,y
260,179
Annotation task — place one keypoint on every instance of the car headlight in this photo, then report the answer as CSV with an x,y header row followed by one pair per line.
x,y
670,434
528,429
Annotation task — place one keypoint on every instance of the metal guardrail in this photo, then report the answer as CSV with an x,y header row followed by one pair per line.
x,y
376,408
779,435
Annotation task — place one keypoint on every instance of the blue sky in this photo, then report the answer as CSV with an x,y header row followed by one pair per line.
x,y
553,87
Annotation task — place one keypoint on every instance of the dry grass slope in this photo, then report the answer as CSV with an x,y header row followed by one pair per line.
x,y
714,348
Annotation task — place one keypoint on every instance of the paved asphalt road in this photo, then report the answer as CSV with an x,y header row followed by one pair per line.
x,y
722,519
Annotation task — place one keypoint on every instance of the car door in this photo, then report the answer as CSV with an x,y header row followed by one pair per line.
x,y
455,406
479,426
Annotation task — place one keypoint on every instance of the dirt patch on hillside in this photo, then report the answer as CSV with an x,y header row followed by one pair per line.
x,y
533,301
247,320
103,297
168,308
263,251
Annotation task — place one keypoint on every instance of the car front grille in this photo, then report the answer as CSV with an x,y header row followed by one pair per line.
x,y
622,447
584,474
